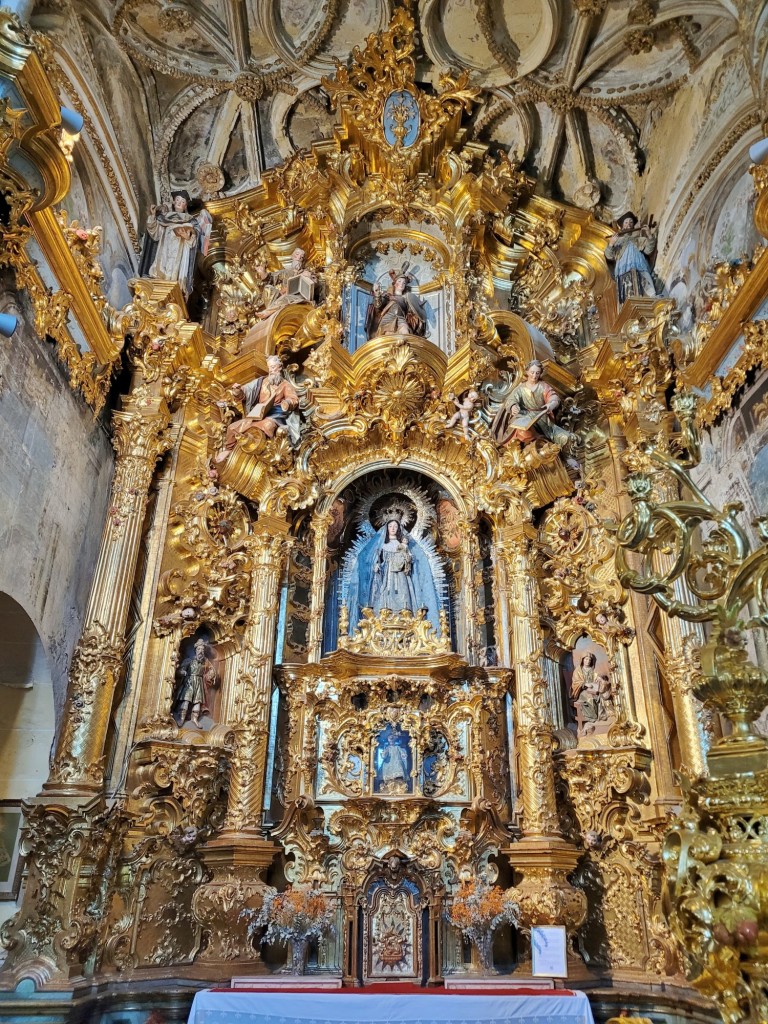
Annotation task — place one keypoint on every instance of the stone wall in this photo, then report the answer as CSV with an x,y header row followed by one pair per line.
x,y
734,468
55,475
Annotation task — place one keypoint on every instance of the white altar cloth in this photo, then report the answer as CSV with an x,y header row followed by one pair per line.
x,y
355,1007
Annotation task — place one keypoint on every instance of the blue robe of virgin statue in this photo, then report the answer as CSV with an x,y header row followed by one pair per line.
x,y
392,574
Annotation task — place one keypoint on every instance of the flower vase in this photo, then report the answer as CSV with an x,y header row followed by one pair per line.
x,y
484,945
299,955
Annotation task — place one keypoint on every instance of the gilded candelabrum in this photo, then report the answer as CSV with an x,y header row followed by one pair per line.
x,y
698,564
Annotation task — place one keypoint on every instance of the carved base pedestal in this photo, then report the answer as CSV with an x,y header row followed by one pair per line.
x,y
544,894
70,848
716,862
237,863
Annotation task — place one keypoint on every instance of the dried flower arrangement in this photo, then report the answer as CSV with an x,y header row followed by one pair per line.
x,y
477,910
297,915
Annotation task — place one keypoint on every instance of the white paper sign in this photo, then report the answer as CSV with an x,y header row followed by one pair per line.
x,y
548,945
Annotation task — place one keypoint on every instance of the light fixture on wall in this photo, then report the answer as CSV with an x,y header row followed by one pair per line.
x,y
71,121
71,126
8,324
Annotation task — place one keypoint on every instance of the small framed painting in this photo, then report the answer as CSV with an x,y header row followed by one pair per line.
x,y
550,956
11,819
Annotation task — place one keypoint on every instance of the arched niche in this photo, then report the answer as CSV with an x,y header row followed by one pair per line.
x,y
27,723
362,508
27,728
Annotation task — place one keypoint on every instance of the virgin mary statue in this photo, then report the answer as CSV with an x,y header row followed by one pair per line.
x,y
392,570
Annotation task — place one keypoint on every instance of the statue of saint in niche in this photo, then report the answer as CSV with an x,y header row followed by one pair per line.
x,y
591,691
179,236
287,287
392,571
396,311
270,404
528,412
393,756
629,250
196,677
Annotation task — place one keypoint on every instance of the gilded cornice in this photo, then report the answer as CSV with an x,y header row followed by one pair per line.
x,y
38,135
30,129
87,305
740,308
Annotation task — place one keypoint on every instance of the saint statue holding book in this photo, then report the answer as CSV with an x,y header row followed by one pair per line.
x,y
529,412
270,405
289,286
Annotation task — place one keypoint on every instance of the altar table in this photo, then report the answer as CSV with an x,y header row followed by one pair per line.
x,y
356,1006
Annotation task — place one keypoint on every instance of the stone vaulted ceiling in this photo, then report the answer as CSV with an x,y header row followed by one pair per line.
x,y
570,87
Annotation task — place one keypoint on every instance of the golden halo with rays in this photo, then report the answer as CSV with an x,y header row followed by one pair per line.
x,y
406,498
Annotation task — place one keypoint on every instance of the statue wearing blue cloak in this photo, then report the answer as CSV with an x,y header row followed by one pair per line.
x,y
392,572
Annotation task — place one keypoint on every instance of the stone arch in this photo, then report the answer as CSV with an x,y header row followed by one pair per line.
x,y
28,720
27,729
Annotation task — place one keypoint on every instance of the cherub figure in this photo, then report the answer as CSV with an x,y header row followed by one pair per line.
x,y
464,410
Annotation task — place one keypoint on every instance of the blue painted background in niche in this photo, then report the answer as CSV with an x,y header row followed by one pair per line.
x,y
357,298
393,762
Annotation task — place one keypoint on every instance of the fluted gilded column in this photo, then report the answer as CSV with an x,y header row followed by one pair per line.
x,y
240,854
543,858
140,437
252,703
321,522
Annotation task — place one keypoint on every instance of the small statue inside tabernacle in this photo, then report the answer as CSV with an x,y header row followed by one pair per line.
x,y
293,284
629,250
270,403
393,775
180,235
196,676
396,311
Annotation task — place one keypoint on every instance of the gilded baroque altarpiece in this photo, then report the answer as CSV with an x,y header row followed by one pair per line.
x,y
382,650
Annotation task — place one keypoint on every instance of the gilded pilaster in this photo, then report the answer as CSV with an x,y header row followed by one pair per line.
x,y
681,642
140,437
246,793
715,851
631,374
532,711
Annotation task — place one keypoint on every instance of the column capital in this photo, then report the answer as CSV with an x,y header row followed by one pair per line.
x,y
515,533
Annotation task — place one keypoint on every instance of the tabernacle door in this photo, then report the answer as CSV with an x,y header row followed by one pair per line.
x,y
392,932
